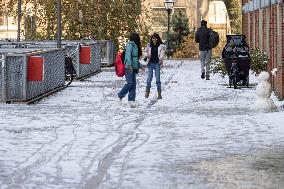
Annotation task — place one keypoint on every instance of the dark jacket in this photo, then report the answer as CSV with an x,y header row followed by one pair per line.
x,y
202,37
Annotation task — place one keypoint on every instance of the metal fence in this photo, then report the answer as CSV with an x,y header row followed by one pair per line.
x,y
73,49
83,70
14,82
104,50
108,52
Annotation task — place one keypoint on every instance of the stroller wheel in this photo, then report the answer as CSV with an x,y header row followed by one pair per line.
x,y
247,81
230,81
235,82
69,79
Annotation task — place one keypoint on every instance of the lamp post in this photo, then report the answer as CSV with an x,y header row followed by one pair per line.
x,y
59,30
169,4
19,20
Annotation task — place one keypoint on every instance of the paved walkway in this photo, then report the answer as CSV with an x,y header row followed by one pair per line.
x,y
201,135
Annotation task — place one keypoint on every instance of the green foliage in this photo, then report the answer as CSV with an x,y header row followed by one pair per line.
x,y
180,26
258,61
2,4
30,28
217,66
188,49
101,19
217,51
235,15
180,29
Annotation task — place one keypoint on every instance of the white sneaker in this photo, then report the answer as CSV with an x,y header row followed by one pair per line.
x,y
132,104
119,101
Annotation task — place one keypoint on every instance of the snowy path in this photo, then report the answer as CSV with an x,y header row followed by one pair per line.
x,y
200,135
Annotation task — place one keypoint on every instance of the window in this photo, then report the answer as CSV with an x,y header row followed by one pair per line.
x,y
159,18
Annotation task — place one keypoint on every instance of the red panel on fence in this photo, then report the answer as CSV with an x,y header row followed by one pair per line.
x,y
35,68
85,55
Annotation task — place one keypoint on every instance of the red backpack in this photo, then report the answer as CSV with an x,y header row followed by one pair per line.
x,y
119,64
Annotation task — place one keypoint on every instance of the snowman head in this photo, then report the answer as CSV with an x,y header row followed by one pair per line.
x,y
263,76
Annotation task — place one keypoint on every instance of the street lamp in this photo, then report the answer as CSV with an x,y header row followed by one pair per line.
x,y
19,20
59,30
169,5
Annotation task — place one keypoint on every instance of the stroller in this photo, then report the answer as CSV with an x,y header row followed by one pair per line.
x,y
237,60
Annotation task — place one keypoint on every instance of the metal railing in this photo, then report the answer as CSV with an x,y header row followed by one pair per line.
x,y
108,52
14,84
72,48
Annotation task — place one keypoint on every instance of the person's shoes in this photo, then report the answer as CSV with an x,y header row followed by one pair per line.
x,y
202,75
147,92
132,104
207,78
159,95
119,101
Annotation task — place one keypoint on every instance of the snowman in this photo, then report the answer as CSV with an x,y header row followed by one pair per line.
x,y
263,92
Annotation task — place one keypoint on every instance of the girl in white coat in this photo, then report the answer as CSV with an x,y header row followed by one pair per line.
x,y
154,52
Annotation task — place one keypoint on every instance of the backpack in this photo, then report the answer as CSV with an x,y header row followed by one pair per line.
x,y
119,64
213,39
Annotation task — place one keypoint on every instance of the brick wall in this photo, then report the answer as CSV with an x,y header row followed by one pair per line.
x,y
264,34
245,24
279,81
251,29
269,39
256,26
272,38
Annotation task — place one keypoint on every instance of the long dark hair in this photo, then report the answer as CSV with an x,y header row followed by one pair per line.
x,y
135,37
155,35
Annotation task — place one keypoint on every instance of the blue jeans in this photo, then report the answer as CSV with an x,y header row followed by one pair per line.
x,y
156,67
129,87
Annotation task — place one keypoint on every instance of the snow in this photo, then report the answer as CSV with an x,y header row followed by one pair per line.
x,y
202,134
263,93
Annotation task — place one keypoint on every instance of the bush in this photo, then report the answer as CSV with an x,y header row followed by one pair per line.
x,y
218,66
188,49
217,51
258,61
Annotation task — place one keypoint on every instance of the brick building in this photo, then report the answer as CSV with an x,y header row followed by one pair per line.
x,y
263,24
214,11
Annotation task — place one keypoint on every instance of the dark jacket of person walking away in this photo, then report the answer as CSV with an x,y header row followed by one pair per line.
x,y
132,54
154,52
202,37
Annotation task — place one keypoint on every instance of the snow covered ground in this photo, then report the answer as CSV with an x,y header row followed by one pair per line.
x,y
201,135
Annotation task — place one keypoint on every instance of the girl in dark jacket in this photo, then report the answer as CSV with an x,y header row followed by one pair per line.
x,y
154,52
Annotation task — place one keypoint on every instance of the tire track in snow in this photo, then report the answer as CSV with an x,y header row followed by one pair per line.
x,y
41,157
106,162
120,123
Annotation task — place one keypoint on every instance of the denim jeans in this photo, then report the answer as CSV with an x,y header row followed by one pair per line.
x,y
156,67
205,59
129,87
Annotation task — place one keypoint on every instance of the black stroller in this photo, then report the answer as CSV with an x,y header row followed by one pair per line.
x,y
237,60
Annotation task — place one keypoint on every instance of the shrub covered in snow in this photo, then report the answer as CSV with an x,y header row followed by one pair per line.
x,y
218,67
258,63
